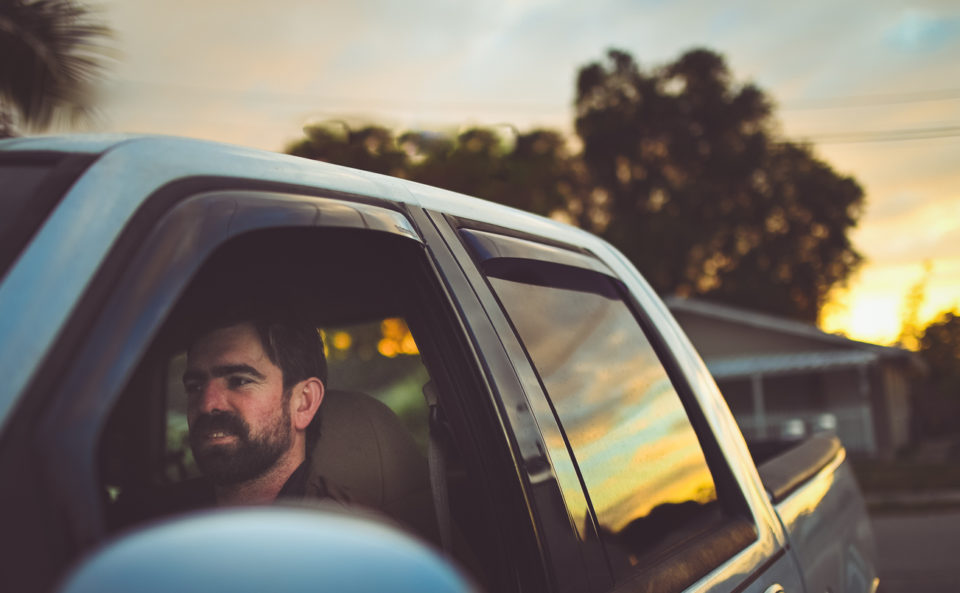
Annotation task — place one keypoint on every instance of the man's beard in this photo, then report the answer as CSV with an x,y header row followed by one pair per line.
x,y
244,460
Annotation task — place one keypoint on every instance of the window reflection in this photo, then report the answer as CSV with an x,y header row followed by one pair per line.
x,y
639,457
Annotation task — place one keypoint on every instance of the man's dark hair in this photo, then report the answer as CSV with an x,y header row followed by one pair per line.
x,y
289,340
294,346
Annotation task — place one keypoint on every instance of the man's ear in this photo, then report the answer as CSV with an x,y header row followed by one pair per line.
x,y
305,402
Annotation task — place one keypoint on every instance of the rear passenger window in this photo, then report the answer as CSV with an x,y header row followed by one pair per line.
x,y
638,455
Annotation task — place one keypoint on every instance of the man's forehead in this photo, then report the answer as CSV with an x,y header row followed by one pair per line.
x,y
240,339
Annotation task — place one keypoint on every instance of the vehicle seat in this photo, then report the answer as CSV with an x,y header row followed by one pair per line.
x,y
365,456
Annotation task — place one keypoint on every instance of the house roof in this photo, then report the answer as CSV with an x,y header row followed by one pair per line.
x,y
779,325
776,364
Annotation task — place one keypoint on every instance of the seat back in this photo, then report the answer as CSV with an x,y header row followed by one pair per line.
x,y
365,456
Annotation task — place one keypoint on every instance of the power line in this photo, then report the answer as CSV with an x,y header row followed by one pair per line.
x,y
873,100
393,102
846,137
950,131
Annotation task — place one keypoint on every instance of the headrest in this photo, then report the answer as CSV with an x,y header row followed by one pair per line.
x,y
366,457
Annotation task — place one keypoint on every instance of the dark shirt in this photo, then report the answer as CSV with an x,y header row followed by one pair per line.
x,y
296,484
195,494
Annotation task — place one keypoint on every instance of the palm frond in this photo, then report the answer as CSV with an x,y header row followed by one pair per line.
x,y
52,52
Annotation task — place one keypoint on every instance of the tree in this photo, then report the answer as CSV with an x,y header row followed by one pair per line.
x,y
371,148
939,402
535,173
52,54
679,170
701,198
909,336
940,348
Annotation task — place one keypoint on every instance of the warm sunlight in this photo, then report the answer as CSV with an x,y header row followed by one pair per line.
x,y
873,309
867,316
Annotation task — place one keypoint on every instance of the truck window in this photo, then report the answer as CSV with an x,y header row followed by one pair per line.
x,y
370,297
639,458
384,321
358,304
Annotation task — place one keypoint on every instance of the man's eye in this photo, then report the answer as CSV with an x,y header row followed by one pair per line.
x,y
192,387
234,382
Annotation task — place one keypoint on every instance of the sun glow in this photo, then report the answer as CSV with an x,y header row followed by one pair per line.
x,y
872,310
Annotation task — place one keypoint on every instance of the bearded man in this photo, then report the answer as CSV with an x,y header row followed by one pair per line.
x,y
254,388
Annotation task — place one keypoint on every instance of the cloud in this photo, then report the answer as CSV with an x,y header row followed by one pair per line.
x,y
918,232
894,208
923,31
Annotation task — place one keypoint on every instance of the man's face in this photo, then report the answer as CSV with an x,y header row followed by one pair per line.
x,y
237,411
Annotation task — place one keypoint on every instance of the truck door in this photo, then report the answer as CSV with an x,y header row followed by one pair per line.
x,y
655,504
102,423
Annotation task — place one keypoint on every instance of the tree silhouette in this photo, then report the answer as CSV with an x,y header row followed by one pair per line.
x,y
52,53
678,169
938,403
537,173
909,336
701,198
371,148
940,347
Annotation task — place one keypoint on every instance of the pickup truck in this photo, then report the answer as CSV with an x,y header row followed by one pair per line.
x,y
528,389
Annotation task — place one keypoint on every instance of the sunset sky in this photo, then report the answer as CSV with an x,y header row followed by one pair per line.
x,y
875,86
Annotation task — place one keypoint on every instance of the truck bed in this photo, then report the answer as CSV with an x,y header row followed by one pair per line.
x,y
819,503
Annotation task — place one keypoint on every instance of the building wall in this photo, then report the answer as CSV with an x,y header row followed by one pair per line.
x,y
897,399
849,401
871,406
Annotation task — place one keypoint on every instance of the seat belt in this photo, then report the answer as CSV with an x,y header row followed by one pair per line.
x,y
437,459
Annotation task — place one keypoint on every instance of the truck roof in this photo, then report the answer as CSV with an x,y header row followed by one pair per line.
x,y
152,161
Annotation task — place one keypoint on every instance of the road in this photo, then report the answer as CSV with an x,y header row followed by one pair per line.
x,y
918,553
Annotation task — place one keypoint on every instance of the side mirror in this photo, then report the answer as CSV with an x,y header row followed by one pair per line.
x,y
259,549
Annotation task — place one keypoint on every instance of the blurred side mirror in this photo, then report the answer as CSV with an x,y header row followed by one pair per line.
x,y
253,550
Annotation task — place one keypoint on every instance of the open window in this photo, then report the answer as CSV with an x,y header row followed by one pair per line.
x,y
359,290
375,299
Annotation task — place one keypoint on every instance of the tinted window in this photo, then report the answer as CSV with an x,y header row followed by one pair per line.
x,y
638,455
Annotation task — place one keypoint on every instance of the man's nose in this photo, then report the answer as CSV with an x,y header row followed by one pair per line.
x,y
213,398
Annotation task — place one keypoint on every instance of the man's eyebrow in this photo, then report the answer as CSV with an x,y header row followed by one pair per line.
x,y
234,369
222,371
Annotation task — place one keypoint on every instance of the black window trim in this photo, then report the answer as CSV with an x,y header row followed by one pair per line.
x,y
487,246
460,223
